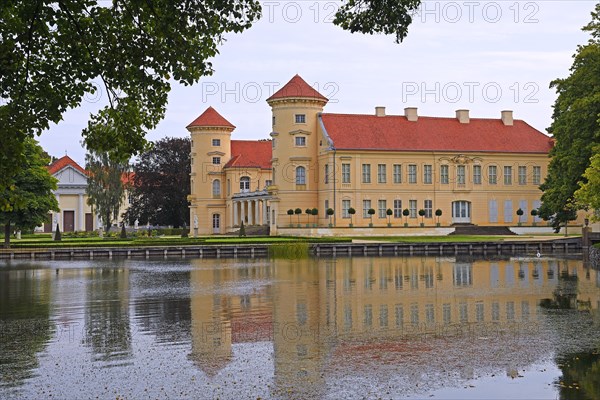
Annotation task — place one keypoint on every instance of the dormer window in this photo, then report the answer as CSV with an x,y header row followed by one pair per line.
x,y
273,120
300,141
216,142
216,160
300,118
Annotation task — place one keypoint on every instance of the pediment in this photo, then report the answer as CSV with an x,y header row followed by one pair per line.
x,y
70,176
300,132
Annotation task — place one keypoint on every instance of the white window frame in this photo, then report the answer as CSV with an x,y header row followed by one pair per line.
x,y
507,175
444,174
381,208
216,142
427,174
428,207
300,175
381,173
537,175
345,208
492,174
366,208
397,208
397,173
300,118
477,174
216,160
412,173
300,141
522,175
412,207
345,173
366,173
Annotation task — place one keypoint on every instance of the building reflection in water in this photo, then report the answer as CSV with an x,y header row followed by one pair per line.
x,y
411,319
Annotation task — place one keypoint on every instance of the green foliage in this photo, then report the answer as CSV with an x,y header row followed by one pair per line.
x,y
124,52
26,203
57,235
371,211
374,16
297,211
575,128
389,212
588,194
520,212
161,183
292,250
330,211
290,212
438,213
351,211
105,187
315,211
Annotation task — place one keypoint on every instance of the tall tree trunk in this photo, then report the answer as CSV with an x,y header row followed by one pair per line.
x,y
7,235
107,222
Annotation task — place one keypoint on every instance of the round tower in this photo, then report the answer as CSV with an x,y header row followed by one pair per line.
x,y
295,108
211,150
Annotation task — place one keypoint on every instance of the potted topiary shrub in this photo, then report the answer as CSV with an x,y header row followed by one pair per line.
x,y
438,214
315,213
371,212
534,214
329,214
298,211
519,213
290,212
422,215
406,213
308,212
389,213
351,211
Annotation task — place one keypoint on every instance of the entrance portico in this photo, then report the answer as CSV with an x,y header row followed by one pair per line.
x,y
251,207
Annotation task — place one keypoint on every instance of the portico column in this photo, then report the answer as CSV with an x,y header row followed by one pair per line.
x,y
235,213
243,206
81,216
250,211
257,211
264,219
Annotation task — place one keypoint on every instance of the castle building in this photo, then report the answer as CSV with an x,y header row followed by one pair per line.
x,y
473,170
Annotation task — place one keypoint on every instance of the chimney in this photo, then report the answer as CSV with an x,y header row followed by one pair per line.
x,y
411,114
507,117
380,111
462,116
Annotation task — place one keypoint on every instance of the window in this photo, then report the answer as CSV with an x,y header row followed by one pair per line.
x,y
273,143
216,142
216,188
522,175
412,207
244,184
492,174
300,176
397,173
412,173
397,208
273,120
381,173
228,187
300,118
508,211
508,175
381,208
325,208
537,175
427,174
216,160
366,207
444,179
366,173
477,174
345,207
493,210
268,182
345,173
326,173
300,141
428,207
460,174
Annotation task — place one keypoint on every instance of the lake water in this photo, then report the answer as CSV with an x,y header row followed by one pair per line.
x,y
419,327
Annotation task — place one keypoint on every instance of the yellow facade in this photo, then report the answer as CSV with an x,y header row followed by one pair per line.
x,y
307,171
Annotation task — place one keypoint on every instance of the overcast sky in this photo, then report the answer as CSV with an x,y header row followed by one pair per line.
x,y
484,56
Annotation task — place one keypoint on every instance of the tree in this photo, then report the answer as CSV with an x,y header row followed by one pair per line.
x,y
351,211
29,198
315,212
406,213
389,213
330,212
588,194
161,183
520,214
438,214
308,212
298,211
105,187
575,128
422,215
127,53
534,214
290,212
371,212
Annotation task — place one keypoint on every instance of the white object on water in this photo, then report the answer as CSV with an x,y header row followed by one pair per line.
x,y
538,255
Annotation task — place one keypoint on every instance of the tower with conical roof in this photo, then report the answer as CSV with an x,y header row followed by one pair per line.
x,y
211,149
295,108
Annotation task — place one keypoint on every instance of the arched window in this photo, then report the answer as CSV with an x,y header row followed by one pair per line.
x,y
244,184
300,176
216,188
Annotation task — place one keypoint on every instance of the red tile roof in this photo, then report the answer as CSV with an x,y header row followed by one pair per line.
x,y
210,117
297,87
250,154
127,178
349,131
62,163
